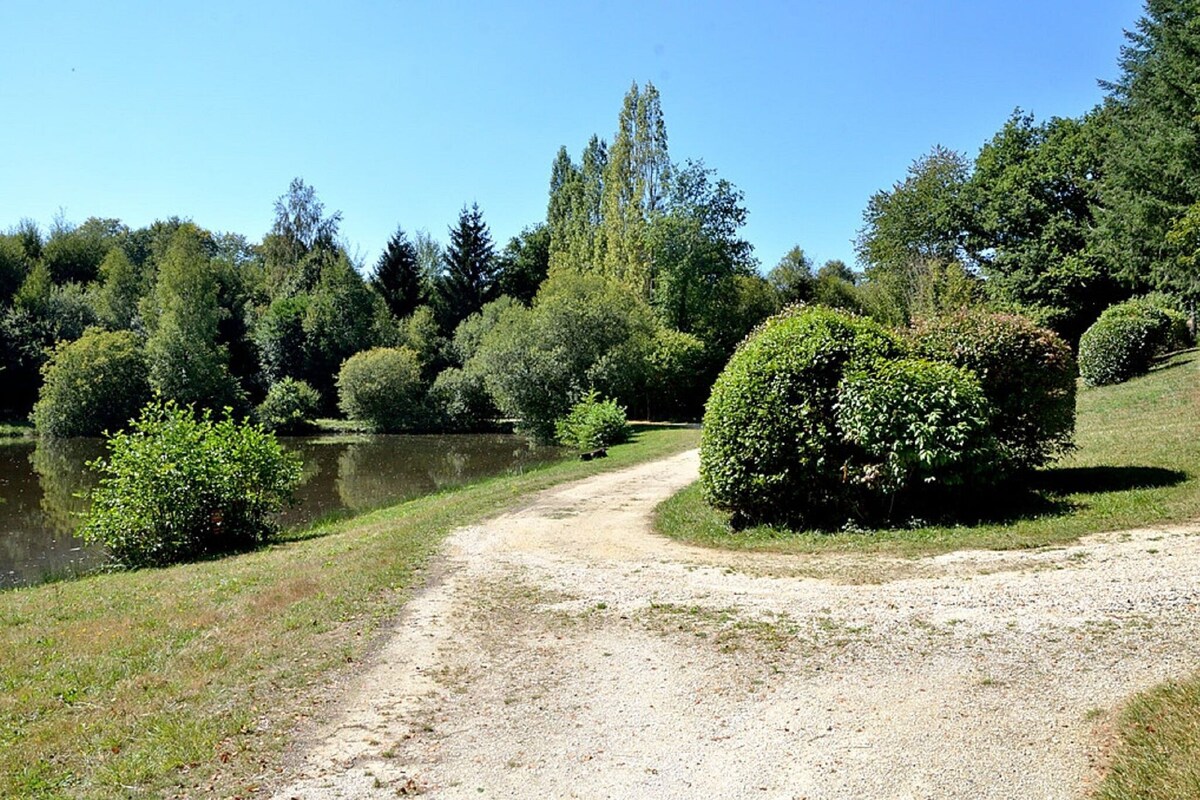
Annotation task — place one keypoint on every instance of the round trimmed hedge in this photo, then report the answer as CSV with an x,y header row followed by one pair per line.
x,y
1123,342
289,407
1027,373
771,448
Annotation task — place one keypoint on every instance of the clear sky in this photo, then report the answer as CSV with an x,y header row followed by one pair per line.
x,y
401,112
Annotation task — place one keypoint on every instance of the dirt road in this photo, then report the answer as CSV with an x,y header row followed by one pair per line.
x,y
564,650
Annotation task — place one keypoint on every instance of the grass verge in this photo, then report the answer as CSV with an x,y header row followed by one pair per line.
x,y
186,681
1137,464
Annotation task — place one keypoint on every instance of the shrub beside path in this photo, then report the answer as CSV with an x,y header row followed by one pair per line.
x,y
564,650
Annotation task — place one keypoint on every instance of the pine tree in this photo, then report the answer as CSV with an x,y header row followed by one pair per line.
x,y
398,276
470,276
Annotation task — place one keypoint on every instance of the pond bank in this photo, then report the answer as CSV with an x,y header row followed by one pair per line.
x,y
181,679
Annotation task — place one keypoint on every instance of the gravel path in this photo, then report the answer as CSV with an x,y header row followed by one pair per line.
x,y
564,650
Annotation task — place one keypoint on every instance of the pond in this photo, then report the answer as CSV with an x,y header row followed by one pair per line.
x,y
40,484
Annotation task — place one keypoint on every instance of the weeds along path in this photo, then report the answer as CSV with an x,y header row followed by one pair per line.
x,y
564,650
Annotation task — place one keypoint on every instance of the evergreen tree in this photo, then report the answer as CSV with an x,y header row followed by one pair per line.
x,y
398,276
469,278
1152,169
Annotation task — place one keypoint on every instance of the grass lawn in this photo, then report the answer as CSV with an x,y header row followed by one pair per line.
x,y
188,679
1137,463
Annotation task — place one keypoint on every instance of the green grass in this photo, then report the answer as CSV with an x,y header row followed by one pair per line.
x,y
1157,756
1137,464
187,679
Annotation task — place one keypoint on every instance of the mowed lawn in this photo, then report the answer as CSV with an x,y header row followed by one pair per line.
x,y
187,680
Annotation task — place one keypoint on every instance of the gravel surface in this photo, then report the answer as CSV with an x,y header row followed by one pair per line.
x,y
564,650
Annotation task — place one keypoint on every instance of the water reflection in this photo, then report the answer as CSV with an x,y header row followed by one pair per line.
x,y
43,486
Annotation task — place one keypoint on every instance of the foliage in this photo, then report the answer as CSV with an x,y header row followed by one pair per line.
x,y
524,263
1035,191
793,277
94,384
422,334
581,333
398,277
1179,333
470,274
1027,374
459,399
593,423
73,254
469,334
14,266
382,387
119,289
1152,162
339,321
676,370
1122,343
179,486
771,448
187,364
289,407
920,423
300,229
573,216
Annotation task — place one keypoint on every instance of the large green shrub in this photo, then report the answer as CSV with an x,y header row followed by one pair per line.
x,y
921,423
771,447
593,423
1123,342
94,384
289,407
180,486
1027,373
459,399
382,387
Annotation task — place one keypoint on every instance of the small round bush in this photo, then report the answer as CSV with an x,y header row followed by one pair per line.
x,y
1027,373
180,486
290,407
1122,343
771,449
93,384
593,423
921,423
382,387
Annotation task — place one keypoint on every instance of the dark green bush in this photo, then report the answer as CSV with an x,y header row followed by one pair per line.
x,y
1179,334
593,423
1123,342
382,387
180,486
771,449
1027,373
921,423
289,407
93,384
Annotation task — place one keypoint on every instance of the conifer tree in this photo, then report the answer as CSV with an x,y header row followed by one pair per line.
x,y
469,278
398,276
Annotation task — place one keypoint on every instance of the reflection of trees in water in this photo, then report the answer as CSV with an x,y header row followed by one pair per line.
x,y
61,467
389,469
37,516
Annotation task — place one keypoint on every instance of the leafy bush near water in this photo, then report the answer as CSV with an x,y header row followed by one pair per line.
x,y
593,423
179,486
383,388
290,407
93,384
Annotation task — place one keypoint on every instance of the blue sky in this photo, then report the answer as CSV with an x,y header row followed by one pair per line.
x,y
399,113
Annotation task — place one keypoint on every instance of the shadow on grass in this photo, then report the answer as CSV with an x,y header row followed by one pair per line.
x,y
1047,493
1091,480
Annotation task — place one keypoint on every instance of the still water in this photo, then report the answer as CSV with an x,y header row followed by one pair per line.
x,y
40,484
